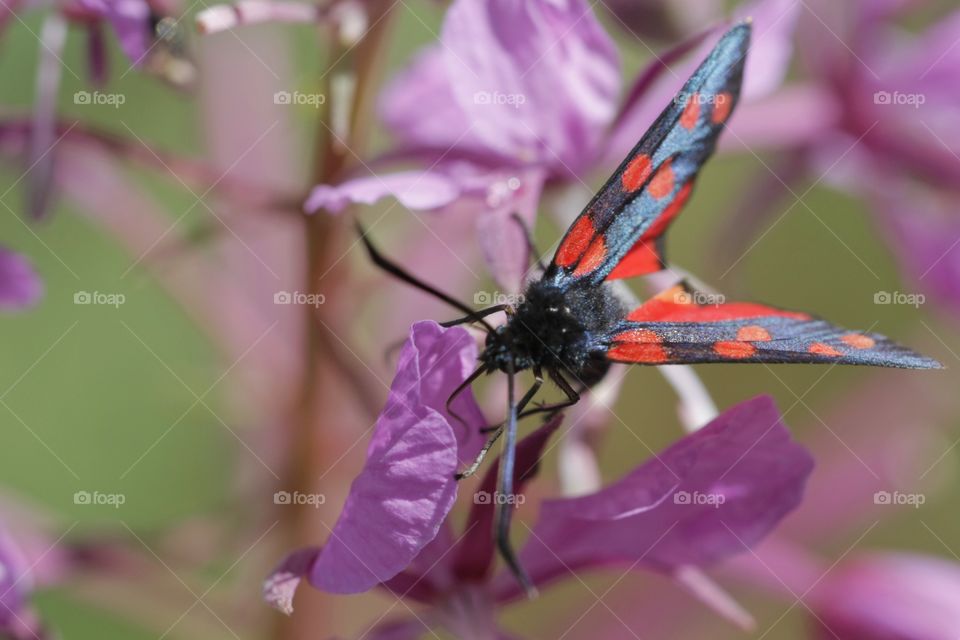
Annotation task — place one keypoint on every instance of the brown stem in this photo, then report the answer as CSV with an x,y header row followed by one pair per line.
x,y
310,440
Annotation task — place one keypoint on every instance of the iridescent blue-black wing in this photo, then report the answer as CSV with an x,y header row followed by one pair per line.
x,y
682,326
620,232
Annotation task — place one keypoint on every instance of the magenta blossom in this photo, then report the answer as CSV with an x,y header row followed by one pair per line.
x,y
886,596
17,620
876,114
130,21
398,502
20,286
701,500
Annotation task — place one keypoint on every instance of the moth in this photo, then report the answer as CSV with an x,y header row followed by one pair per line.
x,y
570,326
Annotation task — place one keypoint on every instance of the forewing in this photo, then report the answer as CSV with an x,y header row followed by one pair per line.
x,y
682,326
619,233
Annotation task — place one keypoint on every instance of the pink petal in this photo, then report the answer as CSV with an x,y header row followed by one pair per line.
x,y
425,82
537,79
20,286
398,502
130,20
502,238
886,596
711,495
413,189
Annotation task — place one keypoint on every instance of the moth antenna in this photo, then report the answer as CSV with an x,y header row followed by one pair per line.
x,y
399,272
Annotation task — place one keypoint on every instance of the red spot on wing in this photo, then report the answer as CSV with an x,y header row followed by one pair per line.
x,y
592,257
576,242
822,349
636,173
638,345
644,257
691,112
637,335
859,341
673,305
662,183
735,350
753,333
722,105
664,219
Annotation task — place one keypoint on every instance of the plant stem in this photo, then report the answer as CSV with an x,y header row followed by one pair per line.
x,y
323,233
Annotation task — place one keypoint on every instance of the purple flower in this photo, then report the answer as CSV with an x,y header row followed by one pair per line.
x,y
927,241
17,620
130,21
710,496
406,488
877,115
20,286
882,596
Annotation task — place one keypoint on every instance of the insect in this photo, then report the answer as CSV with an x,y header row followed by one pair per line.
x,y
570,325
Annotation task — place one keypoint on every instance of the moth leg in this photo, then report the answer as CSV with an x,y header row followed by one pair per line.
x,y
460,389
498,429
472,469
573,397
504,498
475,316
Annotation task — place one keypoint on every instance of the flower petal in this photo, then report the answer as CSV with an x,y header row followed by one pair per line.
x,y
537,79
17,618
398,502
503,239
425,82
923,229
20,286
281,585
712,494
418,190
130,20
892,595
